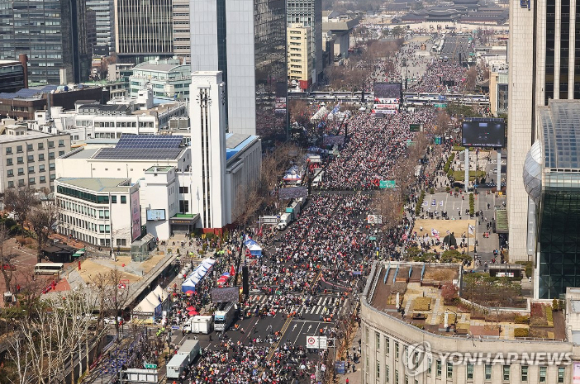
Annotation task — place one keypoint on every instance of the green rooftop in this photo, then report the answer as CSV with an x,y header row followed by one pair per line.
x,y
97,184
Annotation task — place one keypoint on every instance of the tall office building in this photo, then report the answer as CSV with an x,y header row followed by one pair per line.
x,y
544,60
309,14
246,41
51,33
181,30
104,26
143,29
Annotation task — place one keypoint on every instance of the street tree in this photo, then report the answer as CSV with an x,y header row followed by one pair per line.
x,y
20,202
6,256
40,220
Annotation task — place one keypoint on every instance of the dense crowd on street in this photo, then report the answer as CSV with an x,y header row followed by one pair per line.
x,y
330,244
374,146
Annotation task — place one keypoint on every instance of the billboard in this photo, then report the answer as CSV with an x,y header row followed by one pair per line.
x,y
484,133
155,214
292,193
415,127
135,216
388,90
225,295
386,106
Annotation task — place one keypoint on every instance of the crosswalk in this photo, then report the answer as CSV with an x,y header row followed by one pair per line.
x,y
322,305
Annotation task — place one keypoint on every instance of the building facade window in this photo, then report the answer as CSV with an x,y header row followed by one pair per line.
x,y
438,368
487,372
506,373
561,373
543,374
123,199
524,373
469,371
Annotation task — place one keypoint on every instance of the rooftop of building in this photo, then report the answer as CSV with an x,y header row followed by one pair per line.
x,y
429,299
161,67
342,25
236,143
135,147
560,134
38,92
99,185
159,169
166,106
9,62
29,135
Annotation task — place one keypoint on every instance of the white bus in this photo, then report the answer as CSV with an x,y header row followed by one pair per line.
x,y
48,268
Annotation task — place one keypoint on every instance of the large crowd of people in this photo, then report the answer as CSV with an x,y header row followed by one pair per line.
x,y
331,243
373,147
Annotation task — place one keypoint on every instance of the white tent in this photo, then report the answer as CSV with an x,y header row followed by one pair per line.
x,y
151,305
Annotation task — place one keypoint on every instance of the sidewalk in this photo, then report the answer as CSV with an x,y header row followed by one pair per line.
x,y
353,377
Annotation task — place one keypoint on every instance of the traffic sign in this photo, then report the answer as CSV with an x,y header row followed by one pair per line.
x,y
316,342
150,366
176,327
383,184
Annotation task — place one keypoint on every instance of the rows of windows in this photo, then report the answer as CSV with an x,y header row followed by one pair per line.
x,y
85,224
447,370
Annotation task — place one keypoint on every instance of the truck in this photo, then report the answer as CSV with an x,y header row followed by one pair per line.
x,y
176,366
199,324
224,316
191,349
285,219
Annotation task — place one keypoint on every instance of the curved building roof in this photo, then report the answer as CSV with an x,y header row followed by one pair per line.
x,y
560,130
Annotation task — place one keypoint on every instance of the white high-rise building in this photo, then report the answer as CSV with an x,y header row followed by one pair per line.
x,y
246,41
544,54
208,146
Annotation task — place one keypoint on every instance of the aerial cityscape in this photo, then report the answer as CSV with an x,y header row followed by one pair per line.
x,y
289,191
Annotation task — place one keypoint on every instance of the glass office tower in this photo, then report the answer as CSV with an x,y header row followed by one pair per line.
x,y
552,180
246,40
51,33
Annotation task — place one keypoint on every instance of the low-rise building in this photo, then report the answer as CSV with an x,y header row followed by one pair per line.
x,y
13,76
104,212
28,158
168,78
413,333
498,92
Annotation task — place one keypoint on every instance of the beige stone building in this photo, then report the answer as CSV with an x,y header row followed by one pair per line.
x,y
299,58
27,158
432,342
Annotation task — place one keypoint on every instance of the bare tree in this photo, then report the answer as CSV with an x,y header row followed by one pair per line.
x,y
389,204
248,201
6,257
20,202
299,112
443,121
41,219
471,78
112,298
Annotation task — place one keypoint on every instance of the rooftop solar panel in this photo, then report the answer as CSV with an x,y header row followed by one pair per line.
x,y
149,141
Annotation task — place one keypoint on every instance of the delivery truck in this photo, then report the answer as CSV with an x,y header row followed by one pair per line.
x,y
191,349
176,366
199,324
